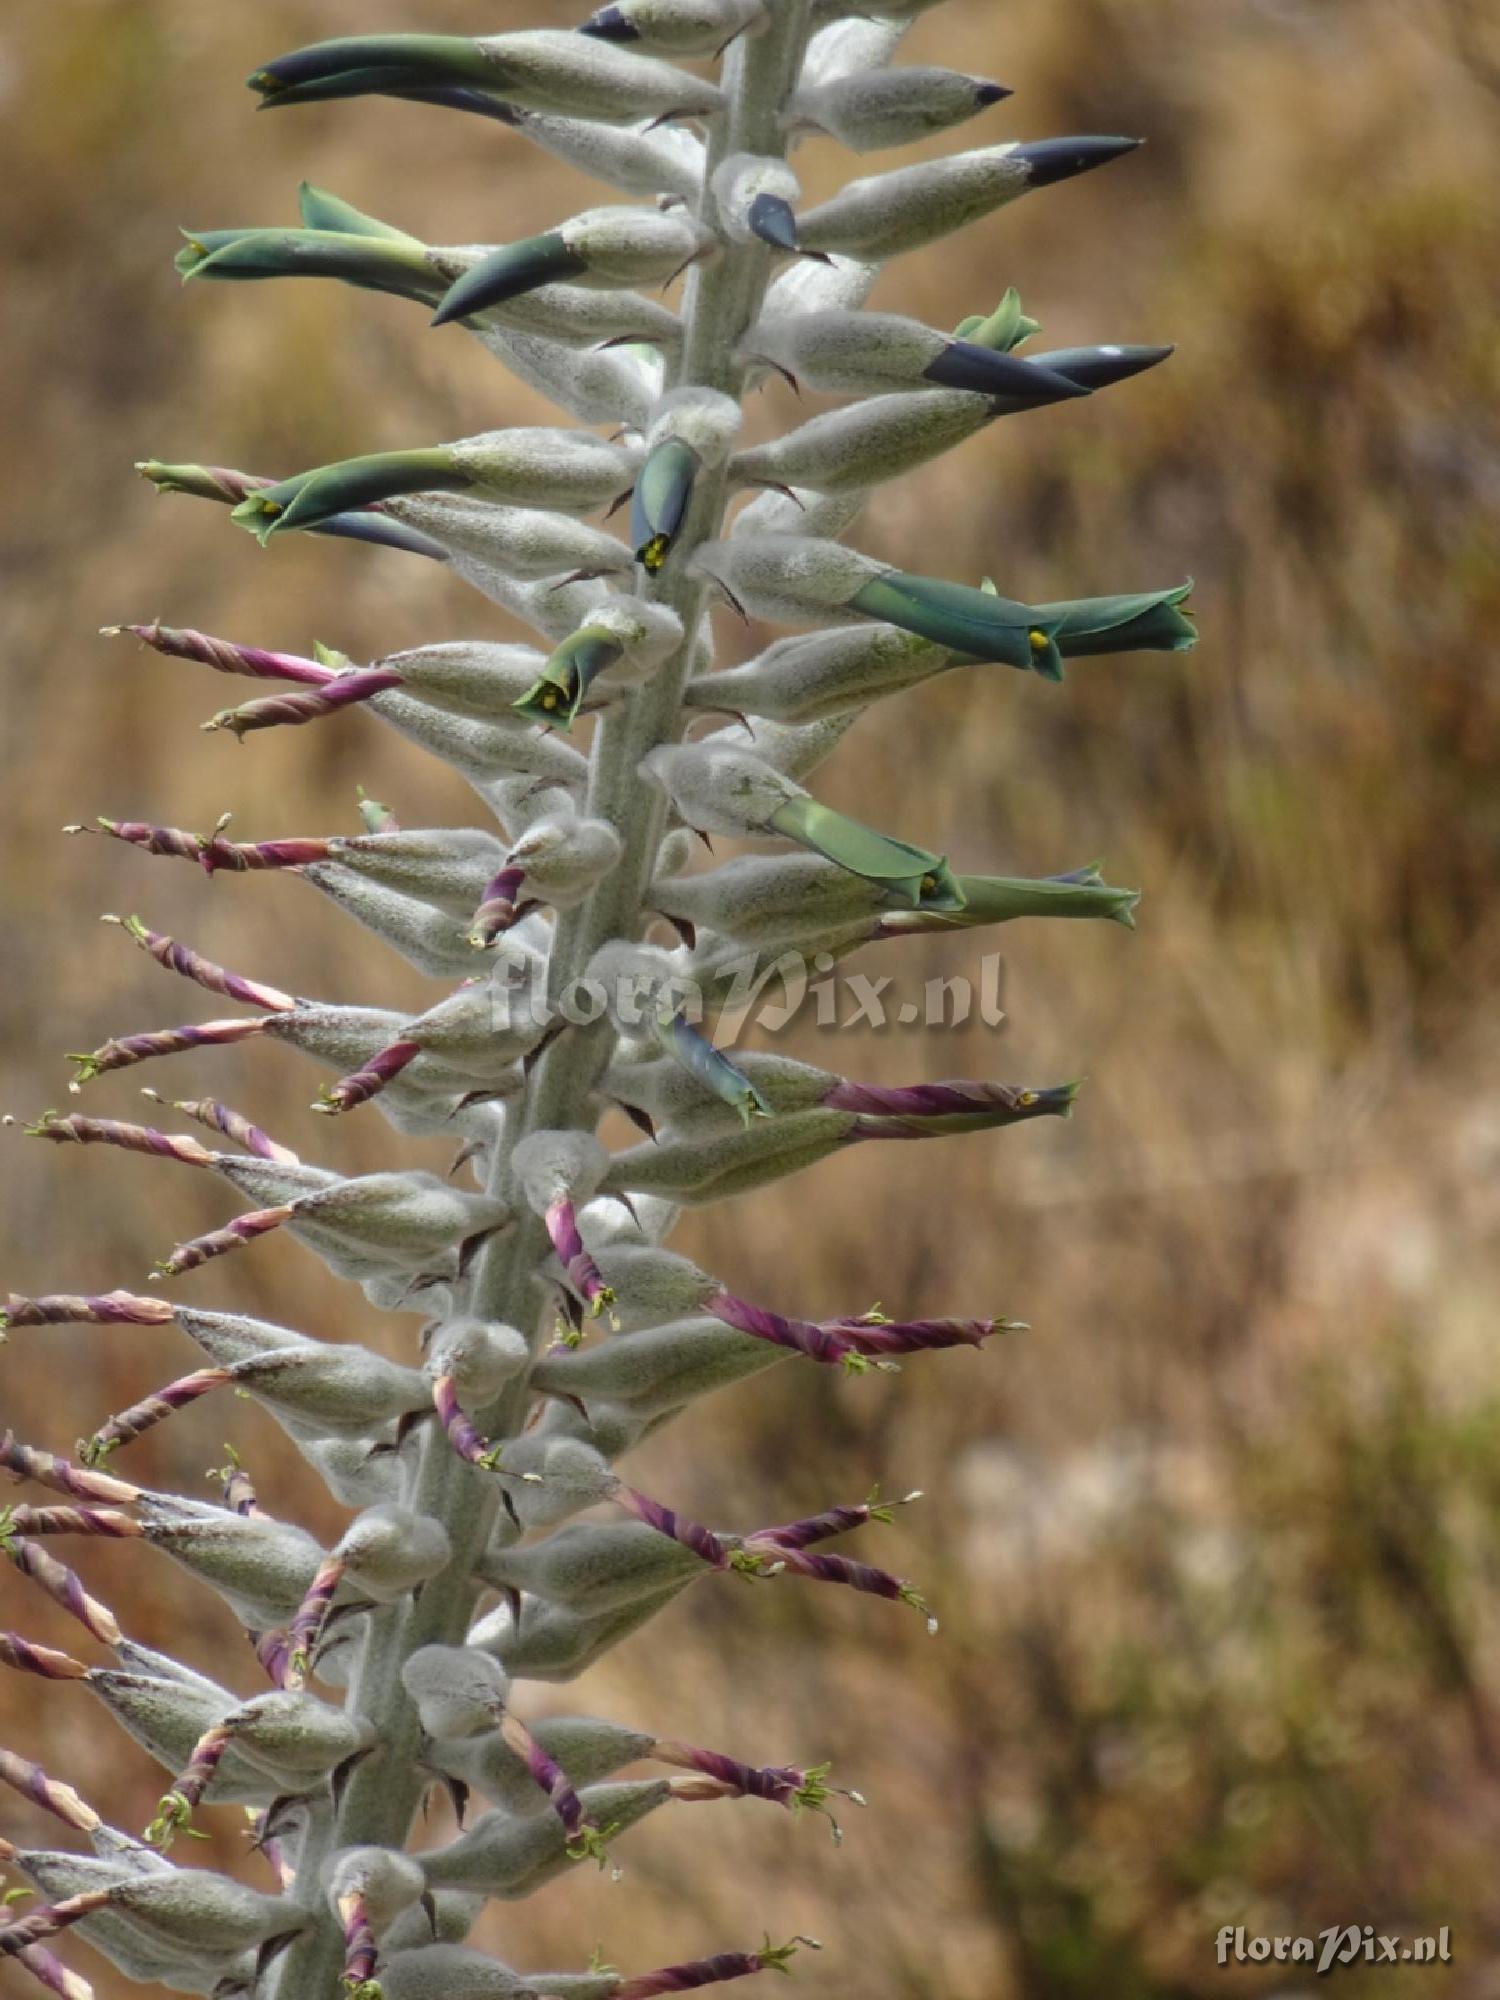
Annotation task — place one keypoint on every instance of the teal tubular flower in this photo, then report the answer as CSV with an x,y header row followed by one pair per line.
x,y
557,694
321,210
660,501
311,498
909,875
1147,622
370,262
539,69
975,622
365,65
713,1069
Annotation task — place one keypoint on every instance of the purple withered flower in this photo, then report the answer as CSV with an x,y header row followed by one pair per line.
x,y
306,1628
103,1523
49,1971
500,907
212,852
465,1437
369,1079
766,1557
33,1783
361,1951
202,971
252,662
234,1235
761,1554
274,1651
175,1809
125,1051
236,1490
712,1971
76,1130
74,1309
217,1117
43,1661
834,1521
785,1785
61,1584
585,1837
826,1344
922,1110
584,1275
24,1461
150,1411
19,1937
276,711
874,1334
718,1551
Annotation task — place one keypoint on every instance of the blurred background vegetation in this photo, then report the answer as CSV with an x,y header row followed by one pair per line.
x,y
1214,1545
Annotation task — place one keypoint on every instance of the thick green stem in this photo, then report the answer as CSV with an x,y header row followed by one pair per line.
x,y
383,1793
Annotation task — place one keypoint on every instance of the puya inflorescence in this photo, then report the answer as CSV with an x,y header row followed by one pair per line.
x,y
492,1541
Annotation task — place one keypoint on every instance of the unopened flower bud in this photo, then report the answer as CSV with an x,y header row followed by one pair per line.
x,y
755,199
388,1551
657,1369
675,27
509,1857
261,1566
889,213
458,1691
523,541
872,108
478,1356
866,353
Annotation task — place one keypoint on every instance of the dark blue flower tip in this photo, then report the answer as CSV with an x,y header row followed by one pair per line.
x,y
610,25
988,372
1049,160
1100,367
774,221
507,273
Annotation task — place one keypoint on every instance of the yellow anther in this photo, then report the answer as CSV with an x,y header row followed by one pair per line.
x,y
1039,641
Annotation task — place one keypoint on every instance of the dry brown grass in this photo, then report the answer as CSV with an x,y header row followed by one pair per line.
x,y
1214,1545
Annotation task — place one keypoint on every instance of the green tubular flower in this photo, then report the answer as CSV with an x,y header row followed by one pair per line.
x,y
1146,622
976,622
557,694
372,263
660,501
321,210
909,875
1000,899
311,498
